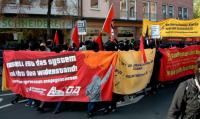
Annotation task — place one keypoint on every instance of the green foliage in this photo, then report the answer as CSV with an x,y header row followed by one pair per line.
x,y
196,13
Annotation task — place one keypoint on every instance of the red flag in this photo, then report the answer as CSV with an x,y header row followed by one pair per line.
x,y
99,41
56,39
142,49
75,36
107,24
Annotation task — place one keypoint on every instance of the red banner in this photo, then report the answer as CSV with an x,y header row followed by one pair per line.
x,y
178,62
66,76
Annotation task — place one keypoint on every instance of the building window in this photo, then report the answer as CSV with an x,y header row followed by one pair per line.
x,y
25,2
185,13
180,13
146,10
43,3
94,4
60,3
132,9
8,2
153,11
171,11
123,9
164,11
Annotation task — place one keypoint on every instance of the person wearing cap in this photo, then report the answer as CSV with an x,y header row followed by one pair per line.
x,y
186,100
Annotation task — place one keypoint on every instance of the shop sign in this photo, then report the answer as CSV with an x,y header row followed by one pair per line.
x,y
35,23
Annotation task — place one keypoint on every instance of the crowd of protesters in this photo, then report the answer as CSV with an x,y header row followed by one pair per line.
x,y
123,45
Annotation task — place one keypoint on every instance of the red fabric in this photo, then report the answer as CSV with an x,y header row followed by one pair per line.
x,y
142,49
75,36
56,39
64,76
178,62
107,24
99,41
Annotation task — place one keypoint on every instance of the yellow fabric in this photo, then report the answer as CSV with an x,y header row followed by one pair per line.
x,y
4,86
131,74
174,28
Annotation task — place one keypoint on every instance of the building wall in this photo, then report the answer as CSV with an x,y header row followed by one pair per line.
x,y
29,22
139,7
95,13
177,3
116,7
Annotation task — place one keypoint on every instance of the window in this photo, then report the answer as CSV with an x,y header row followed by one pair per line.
x,y
146,10
25,2
43,2
171,11
132,9
8,2
123,8
72,7
153,11
180,13
94,4
164,11
60,3
185,13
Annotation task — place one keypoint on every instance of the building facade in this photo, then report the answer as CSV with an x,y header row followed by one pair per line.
x,y
130,13
27,20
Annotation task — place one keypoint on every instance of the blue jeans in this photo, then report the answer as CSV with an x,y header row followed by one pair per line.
x,y
90,108
58,105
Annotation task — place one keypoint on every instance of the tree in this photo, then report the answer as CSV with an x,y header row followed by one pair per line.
x,y
196,8
49,19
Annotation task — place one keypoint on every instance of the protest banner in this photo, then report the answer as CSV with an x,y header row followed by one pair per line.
x,y
65,76
174,28
132,74
4,84
178,62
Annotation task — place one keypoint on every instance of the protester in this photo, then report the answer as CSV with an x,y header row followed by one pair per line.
x,y
43,47
82,47
41,107
186,101
91,108
154,81
16,99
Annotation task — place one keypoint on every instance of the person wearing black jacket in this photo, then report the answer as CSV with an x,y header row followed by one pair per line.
x,y
186,100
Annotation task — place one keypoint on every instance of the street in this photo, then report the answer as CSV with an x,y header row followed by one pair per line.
x,y
149,107
69,58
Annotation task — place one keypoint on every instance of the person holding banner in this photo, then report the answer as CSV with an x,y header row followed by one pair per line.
x,y
93,91
186,101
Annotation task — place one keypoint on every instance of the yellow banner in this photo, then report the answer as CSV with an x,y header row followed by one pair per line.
x,y
131,74
4,86
174,28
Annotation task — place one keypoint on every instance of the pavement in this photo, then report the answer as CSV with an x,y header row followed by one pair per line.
x,y
134,107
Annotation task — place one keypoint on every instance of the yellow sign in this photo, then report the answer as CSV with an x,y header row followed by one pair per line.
x,y
174,28
131,74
